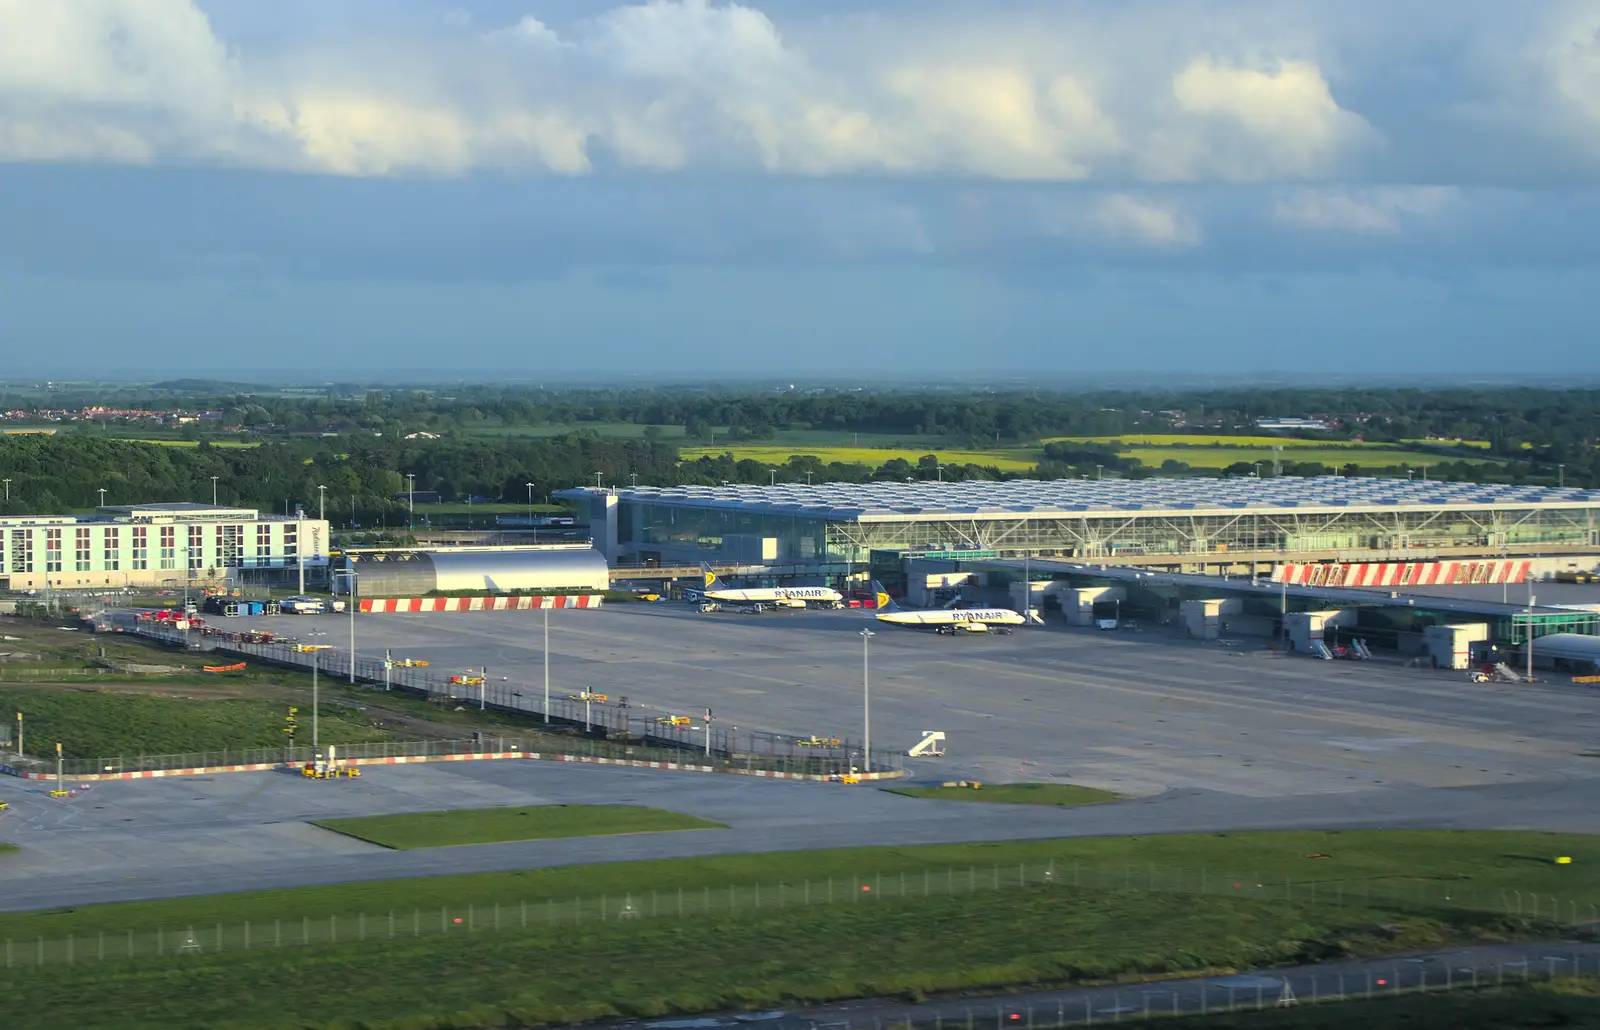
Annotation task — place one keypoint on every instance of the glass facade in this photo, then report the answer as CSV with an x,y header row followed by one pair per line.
x,y
678,532
688,533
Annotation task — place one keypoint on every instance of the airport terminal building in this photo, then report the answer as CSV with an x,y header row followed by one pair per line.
x,y
158,545
1196,524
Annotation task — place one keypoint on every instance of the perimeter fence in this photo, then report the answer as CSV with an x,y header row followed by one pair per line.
x,y
605,718
540,745
700,902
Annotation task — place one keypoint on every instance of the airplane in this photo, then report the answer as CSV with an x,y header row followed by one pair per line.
x,y
946,621
761,597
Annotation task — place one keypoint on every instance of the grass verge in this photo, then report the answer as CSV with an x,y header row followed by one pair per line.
x,y
1434,861
8,849
496,825
1558,1003
589,970
1014,794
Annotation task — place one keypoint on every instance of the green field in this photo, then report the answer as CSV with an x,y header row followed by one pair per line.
x,y
879,943
1334,456
1009,460
6,849
191,443
1196,440
610,430
496,825
1429,860
108,724
1013,794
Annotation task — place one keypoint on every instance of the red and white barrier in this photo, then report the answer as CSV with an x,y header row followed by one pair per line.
x,y
156,774
382,605
1387,575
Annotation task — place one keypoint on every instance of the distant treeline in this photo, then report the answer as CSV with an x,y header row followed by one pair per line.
x,y
1542,436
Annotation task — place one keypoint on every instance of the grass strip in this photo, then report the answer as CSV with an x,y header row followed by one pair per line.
x,y
1467,865
497,825
1043,935
1013,794
1571,1003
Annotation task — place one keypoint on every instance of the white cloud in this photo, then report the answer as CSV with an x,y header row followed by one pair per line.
x,y
1125,216
1144,91
1376,210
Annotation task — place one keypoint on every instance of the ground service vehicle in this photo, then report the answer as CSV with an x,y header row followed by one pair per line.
x,y
591,698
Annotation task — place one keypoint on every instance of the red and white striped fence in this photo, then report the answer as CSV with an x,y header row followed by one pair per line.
x,y
1402,574
382,605
157,774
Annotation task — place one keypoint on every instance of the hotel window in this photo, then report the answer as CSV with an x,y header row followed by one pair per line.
x,y
197,547
169,547
232,545
52,550
141,547
263,541
83,548
22,550
109,546
291,541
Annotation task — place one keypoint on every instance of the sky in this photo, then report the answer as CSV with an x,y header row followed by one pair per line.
x,y
884,189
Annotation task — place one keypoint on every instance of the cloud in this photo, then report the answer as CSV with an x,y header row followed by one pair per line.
x,y
1128,216
1146,91
1377,210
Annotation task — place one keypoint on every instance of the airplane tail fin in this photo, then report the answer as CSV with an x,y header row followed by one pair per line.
x,y
709,578
881,601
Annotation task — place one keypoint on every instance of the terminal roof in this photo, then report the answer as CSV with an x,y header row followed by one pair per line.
x,y
1083,498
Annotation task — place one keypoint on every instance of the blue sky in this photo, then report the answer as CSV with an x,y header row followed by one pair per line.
x,y
820,188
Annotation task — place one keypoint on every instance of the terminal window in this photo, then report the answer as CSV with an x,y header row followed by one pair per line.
x,y
141,547
169,547
197,547
22,550
113,558
263,540
52,550
82,549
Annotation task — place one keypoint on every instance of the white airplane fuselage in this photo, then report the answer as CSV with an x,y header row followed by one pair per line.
x,y
787,596
953,619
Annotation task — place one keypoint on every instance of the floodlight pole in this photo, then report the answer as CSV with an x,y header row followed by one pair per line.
x,y
1531,599
58,766
19,734
352,604
546,665
314,749
866,701
483,686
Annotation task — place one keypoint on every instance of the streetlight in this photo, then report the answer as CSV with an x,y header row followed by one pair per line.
x,y
633,480
1529,645
352,606
546,665
597,476
102,492
411,504
214,490
1561,475
8,491
316,751
866,702
1098,472
322,496
772,477
1257,464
